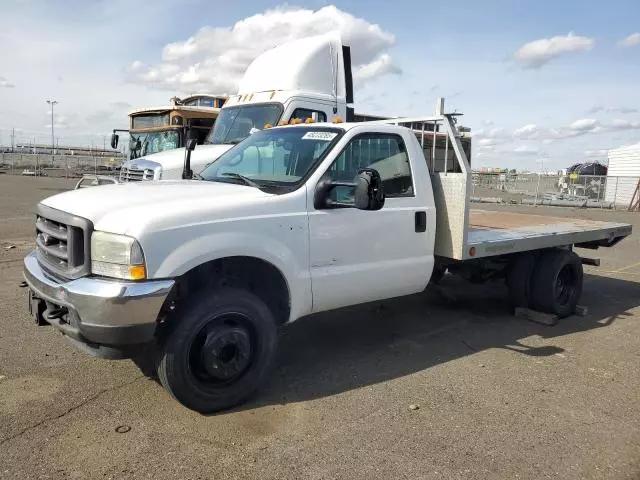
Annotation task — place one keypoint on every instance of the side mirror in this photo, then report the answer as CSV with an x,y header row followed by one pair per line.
x,y
191,144
114,140
368,192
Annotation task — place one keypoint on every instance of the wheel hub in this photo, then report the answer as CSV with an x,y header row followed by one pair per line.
x,y
226,352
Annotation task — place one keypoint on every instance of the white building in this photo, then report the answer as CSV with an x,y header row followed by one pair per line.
x,y
624,170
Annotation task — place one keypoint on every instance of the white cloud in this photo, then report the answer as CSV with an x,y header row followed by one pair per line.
x,y
215,58
380,66
495,132
537,53
4,83
487,142
623,110
527,132
619,124
631,41
584,125
526,150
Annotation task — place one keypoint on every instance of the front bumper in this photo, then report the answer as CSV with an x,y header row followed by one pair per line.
x,y
101,316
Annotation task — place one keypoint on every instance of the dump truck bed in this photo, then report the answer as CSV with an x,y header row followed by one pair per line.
x,y
496,233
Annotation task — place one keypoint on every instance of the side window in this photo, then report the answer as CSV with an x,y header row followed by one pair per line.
x,y
303,114
384,152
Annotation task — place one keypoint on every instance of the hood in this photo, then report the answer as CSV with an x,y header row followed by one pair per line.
x,y
174,159
128,208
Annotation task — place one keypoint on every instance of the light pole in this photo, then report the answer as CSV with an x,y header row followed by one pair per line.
x,y
52,102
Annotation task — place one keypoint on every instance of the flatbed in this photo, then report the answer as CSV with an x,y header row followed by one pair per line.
x,y
496,233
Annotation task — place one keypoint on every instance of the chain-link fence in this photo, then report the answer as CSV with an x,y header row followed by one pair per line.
x,y
560,190
519,188
66,166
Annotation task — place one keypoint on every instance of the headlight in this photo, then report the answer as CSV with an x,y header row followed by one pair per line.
x,y
117,256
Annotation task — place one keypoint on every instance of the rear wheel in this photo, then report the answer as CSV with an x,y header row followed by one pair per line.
x,y
220,351
557,282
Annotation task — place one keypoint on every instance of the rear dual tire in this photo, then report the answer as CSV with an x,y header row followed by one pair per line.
x,y
550,282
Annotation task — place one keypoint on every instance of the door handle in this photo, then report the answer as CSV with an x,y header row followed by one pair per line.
x,y
421,222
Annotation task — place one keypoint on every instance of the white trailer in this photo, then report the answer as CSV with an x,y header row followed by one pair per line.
x,y
623,174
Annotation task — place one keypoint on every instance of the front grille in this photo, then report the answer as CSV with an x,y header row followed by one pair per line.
x,y
62,242
135,174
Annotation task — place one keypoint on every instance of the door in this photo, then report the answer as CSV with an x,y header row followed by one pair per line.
x,y
356,255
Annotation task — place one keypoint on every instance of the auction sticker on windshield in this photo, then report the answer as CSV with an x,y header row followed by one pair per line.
x,y
328,136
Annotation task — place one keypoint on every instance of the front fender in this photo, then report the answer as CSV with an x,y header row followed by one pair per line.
x,y
292,265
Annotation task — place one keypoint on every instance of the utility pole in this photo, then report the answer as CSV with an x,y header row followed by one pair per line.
x,y
13,136
52,102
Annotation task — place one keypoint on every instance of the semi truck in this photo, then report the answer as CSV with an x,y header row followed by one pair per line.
x,y
195,277
298,81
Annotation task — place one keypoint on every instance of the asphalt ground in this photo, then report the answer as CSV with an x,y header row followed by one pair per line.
x,y
498,396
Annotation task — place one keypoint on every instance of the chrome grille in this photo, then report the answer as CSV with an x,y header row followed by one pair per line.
x,y
135,174
62,245
52,240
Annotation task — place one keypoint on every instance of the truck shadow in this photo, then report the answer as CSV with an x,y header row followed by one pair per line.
x,y
335,352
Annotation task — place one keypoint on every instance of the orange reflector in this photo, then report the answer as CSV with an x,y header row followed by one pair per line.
x,y
472,252
309,120
267,125
295,121
337,120
137,272
282,122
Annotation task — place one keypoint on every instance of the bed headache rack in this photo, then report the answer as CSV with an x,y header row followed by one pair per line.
x,y
419,126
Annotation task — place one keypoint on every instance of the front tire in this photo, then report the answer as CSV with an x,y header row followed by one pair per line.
x,y
220,351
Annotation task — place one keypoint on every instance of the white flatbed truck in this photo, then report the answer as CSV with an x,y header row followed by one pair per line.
x,y
291,221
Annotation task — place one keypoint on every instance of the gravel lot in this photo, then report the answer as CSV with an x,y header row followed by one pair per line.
x,y
498,397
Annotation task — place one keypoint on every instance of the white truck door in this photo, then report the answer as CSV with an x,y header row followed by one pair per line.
x,y
358,256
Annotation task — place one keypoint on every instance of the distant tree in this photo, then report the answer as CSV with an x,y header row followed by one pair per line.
x,y
513,170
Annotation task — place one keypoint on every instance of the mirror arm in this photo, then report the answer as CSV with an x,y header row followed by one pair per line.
x,y
333,204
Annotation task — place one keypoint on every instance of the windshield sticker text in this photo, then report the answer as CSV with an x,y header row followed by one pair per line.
x,y
327,136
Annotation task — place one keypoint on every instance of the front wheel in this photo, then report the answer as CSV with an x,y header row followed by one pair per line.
x,y
220,351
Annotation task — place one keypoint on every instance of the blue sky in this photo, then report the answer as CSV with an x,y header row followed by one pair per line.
x,y
541,83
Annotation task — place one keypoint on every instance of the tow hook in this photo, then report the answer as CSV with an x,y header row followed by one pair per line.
x,y
55,314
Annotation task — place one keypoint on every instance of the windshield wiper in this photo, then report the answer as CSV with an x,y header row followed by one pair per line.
x,y
246,180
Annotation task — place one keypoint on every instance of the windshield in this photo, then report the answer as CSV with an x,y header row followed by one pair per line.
x,y
278,157
234,123
147,143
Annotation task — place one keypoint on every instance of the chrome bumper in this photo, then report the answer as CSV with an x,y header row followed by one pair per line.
x,y
100,311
